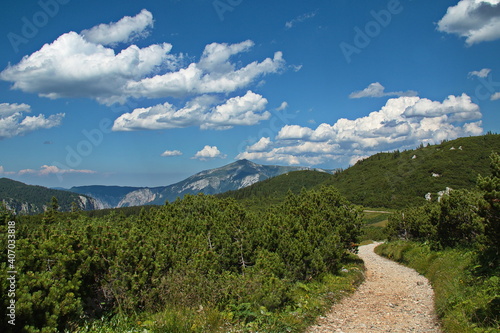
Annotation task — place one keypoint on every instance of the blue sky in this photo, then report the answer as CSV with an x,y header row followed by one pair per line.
x,y
146,93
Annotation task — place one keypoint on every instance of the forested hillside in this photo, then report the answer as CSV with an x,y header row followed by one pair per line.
x,y
274,190
392,180
31,199
399,179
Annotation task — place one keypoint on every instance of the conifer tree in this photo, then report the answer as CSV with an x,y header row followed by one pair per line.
x,y
51,212
491,209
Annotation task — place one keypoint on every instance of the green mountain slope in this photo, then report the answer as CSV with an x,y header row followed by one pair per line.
x,y
275,189
391,180
399,179
30,199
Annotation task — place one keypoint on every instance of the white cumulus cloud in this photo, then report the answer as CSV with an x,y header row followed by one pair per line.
x,y
495,96
84,65
13,122
241,110
213,74
377,90
482,73
125,30
403,122
261,145
201,111
169,153
455,108
291,132
283,106
72,67
208,153
476,20
7,109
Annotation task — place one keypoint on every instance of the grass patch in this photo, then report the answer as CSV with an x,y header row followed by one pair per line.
x,y
467,296
374,224
371,217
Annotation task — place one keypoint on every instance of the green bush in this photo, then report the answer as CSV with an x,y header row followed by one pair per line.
x,y
199,255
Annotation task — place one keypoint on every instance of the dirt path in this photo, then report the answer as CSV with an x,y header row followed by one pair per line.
x,y
393,298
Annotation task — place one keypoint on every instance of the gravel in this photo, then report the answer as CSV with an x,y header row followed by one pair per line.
x,y
393,298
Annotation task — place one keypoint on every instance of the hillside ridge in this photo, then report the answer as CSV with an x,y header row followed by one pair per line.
x,y
401,178
390,179
33,199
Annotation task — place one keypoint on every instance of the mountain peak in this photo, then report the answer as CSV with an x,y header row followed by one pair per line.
x,y
233,176
243,162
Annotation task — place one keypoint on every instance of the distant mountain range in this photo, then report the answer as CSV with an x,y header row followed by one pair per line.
x,y
31,199
233,176
396,179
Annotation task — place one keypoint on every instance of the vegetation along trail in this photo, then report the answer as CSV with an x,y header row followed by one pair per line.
x,y
393,298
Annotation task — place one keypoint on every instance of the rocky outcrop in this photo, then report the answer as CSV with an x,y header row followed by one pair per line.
x,y
138,198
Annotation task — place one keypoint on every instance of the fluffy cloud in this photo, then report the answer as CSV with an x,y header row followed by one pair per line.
x,y
245,110
83,65
261,145
290,132
282,107
201,111
125,30
208,153
476,20
213,74
7,109
404,122
73,67
169,153
482,73
46,170
14,123
456,109
495,96
378,90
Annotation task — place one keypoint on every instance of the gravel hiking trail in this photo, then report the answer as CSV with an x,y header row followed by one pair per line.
x,y
393,298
